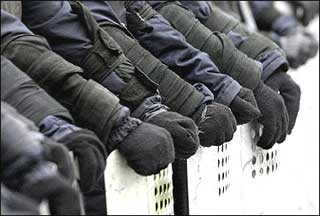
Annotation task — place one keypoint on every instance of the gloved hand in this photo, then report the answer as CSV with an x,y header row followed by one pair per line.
x,y
299,46
183,130
146,147
216,124
58,154
85,145
290,91
275,119
25,168
13,203
92,161
244,107
44,182
305,11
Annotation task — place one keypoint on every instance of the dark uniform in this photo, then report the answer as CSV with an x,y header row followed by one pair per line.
x,y
26,166
116,40
189,63
255,46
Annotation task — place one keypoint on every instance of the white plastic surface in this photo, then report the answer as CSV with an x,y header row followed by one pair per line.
x,y
259,171
211,174
128,193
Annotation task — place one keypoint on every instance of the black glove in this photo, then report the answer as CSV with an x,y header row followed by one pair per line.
x,y
299,46
216,124
275,119
85,145
24,167
146,147
244,107
183,130
13,203
290,91
92,160
58,154
43,182
95,200
305,11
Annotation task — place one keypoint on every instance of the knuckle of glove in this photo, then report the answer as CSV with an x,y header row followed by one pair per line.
x,y
148,149
183,130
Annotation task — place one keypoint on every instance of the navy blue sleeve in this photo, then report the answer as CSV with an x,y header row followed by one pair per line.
x,y
11,26
170,46
63,30
201,9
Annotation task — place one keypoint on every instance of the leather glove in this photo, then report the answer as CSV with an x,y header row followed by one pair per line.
x,y
244,107
146,147
183,130
85,145
290,91
275,119
299,46
216,124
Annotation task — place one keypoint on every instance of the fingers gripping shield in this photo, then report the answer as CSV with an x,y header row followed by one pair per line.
x,y
255,161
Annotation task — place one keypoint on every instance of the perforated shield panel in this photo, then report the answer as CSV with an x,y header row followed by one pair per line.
x,y
259,168
211,178
128,193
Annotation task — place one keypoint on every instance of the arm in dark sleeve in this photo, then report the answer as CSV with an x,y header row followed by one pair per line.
x,y
201,9
45,17
21,92
254,45
268,17
167,44
102,60
91,105
264,13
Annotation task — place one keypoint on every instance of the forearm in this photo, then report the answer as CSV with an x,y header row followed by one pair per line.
x,y
21,92
62,80
63,30
254,45
265,14
167,44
